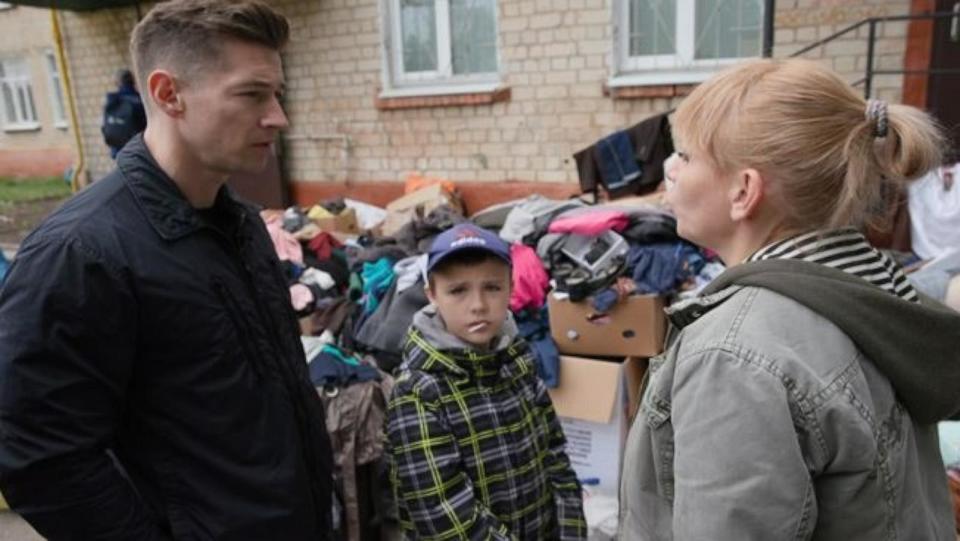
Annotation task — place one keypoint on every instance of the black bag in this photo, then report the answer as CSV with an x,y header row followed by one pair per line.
x,y
120,122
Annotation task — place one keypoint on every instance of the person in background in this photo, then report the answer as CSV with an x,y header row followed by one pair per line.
x,y
123,113
152,380
476,449
799,394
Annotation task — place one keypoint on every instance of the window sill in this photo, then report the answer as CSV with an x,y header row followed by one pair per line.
x,y
658,83
442,96
626,92
62,126
14,128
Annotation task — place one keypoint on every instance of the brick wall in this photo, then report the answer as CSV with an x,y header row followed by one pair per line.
x,y
25,33
555,56
802,22
96,44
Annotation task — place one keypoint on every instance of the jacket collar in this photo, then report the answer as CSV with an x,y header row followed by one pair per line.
x,y
167,210
687,311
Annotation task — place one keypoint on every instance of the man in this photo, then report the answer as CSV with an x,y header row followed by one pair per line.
x,y
152,381
123,114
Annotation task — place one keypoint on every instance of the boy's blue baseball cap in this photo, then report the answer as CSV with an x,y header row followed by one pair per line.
x,y
466,236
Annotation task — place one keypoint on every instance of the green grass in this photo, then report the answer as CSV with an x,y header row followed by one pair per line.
x,y
32,189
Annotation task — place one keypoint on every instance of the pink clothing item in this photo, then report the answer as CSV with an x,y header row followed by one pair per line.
x,y
287,246
300,296
591,223
530,280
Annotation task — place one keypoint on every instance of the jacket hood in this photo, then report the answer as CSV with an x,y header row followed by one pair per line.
x,y
431,325
916,345
431,348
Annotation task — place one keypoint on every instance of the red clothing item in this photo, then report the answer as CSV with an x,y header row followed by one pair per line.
x,y
591,223
530,280
323,245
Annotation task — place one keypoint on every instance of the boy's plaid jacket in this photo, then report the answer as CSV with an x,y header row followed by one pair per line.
x,y
477,451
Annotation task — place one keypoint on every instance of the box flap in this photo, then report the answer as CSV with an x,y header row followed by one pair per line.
x,y
588,389
434,193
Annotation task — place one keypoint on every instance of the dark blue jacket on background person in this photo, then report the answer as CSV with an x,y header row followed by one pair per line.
x,y
152,380
123,117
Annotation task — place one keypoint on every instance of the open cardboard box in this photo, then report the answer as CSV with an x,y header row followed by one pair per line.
x,y
345,222
596,400
401,211
636,326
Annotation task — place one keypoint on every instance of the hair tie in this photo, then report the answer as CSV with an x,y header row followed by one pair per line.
x,y
877,114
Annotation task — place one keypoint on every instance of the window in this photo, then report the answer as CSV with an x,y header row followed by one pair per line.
x,y
655,43
441,44
16,92
56,90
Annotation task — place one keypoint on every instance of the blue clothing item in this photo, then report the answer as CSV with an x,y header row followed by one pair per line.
x,y
4,265
339,354
377,279
659,268
534,327
605,300
617,161
123,117
328,369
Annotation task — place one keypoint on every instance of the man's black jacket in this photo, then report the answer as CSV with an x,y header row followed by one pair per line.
x,y
131,323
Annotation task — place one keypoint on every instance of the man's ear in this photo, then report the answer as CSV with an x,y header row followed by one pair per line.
x,y
164,92
747,192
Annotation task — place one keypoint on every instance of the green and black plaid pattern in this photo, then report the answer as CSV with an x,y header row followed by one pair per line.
x,y
477,451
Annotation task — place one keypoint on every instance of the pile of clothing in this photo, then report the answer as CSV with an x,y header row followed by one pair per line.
x,y
357,293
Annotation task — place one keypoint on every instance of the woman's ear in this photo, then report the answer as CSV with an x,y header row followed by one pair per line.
x,y
747,193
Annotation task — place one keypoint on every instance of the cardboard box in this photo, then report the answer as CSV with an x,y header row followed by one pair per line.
x,y
345,222
596,401
423,201
635,327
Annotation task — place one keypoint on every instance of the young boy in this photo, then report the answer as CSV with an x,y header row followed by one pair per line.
x,y
477,451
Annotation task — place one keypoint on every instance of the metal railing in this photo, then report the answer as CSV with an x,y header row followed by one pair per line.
x,y
872,23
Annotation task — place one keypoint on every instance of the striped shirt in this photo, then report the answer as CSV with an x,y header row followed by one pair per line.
x,y
476,449
844,249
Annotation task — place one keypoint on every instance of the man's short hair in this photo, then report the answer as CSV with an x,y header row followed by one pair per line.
x,y
186,34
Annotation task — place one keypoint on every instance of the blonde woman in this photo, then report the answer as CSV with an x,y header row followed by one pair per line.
x,y
799,396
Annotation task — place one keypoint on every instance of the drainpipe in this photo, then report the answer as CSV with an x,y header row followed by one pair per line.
x,y
769,17
71,98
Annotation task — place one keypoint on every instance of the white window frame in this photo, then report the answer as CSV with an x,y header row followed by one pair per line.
x,y
442,81
19,82
58,106
678,68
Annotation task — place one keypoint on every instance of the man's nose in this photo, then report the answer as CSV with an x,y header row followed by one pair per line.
x,y
275,117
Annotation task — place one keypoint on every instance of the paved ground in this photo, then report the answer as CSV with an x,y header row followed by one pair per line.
x,y
18,219
13,528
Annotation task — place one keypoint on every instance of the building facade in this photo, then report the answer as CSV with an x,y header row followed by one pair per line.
x,y
35,135
492,91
